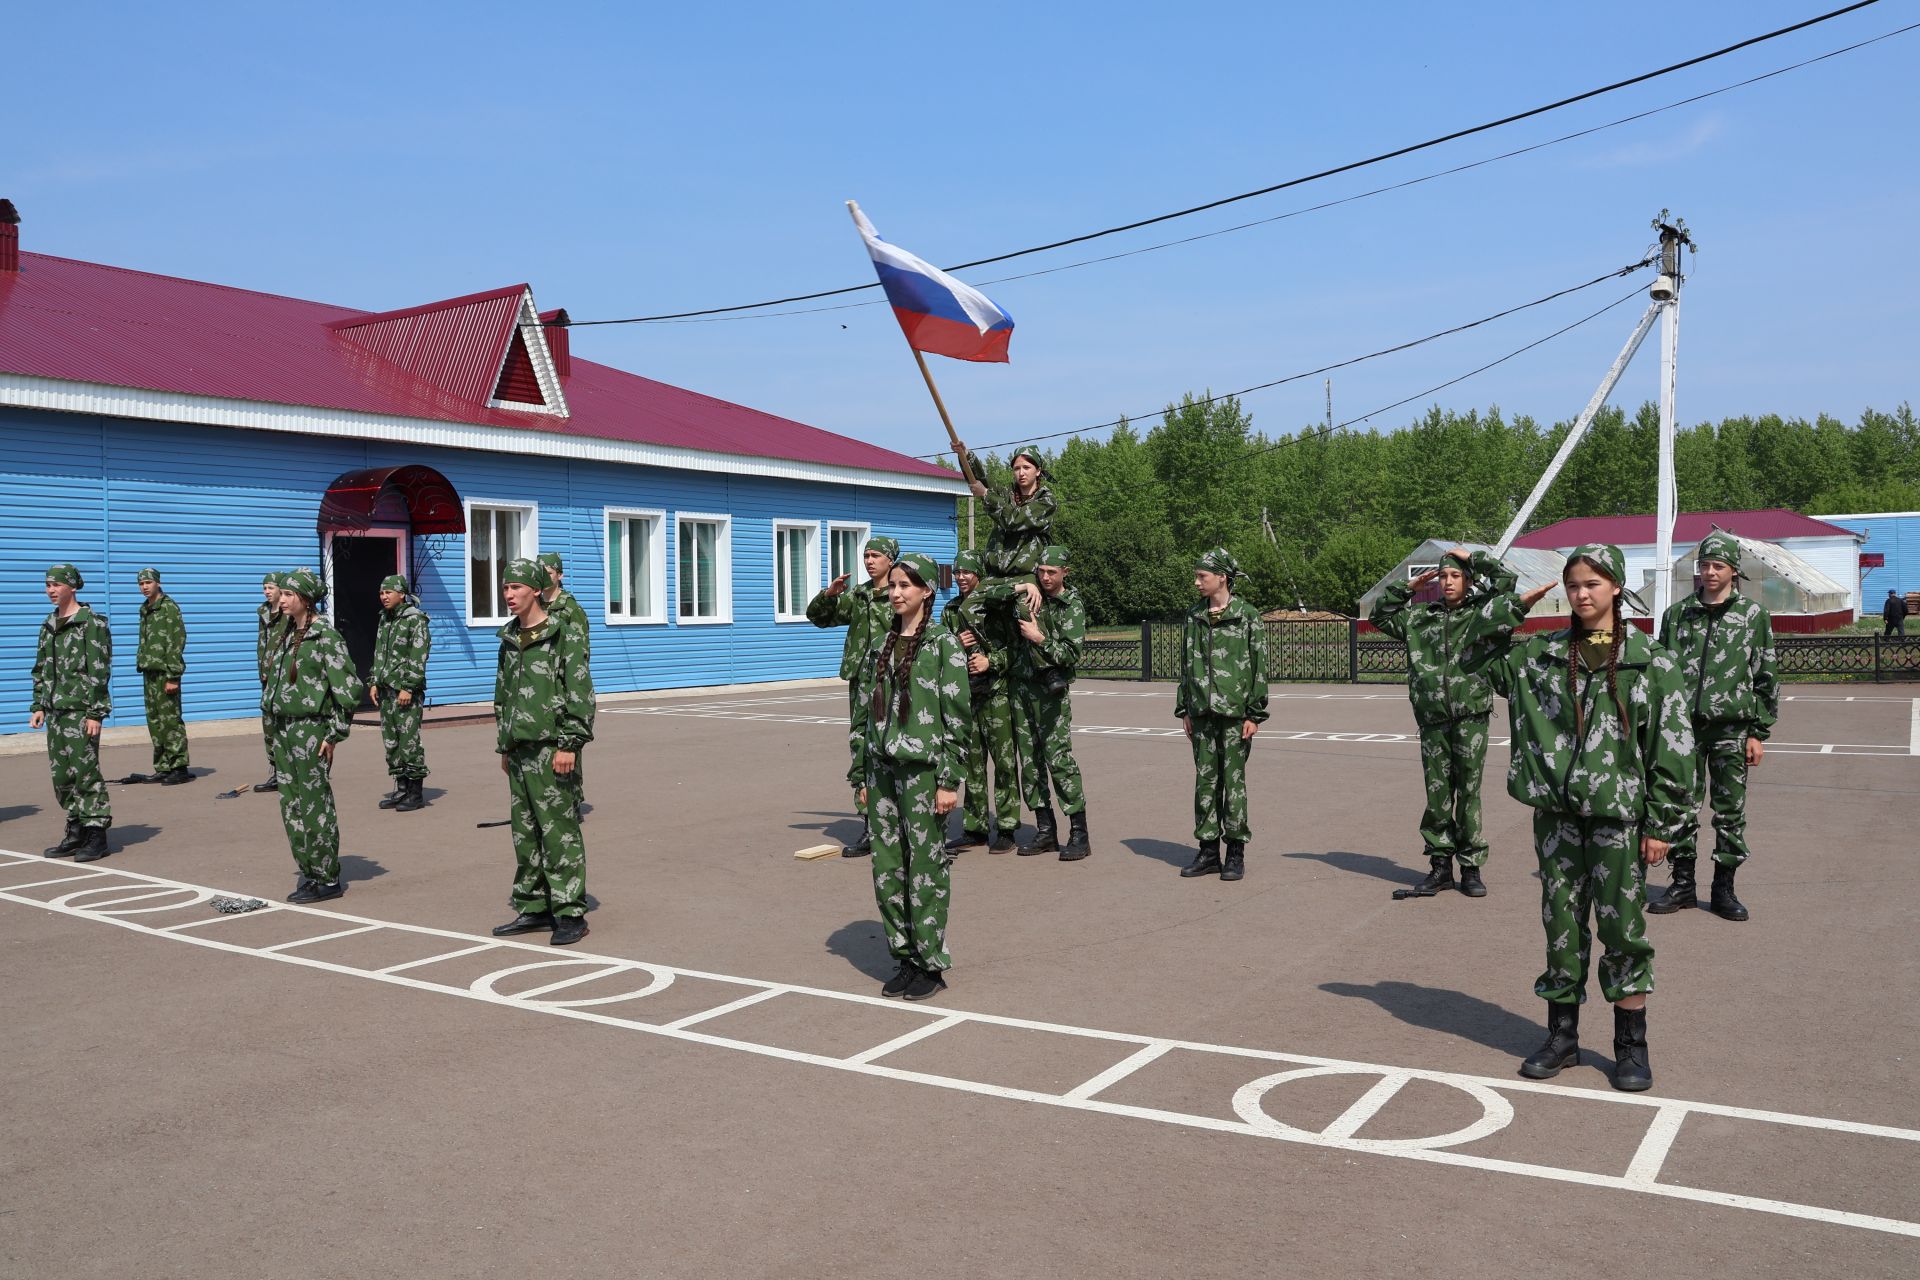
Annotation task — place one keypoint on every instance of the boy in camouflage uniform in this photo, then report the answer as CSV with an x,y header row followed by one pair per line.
x,y
991,740
161,661
913,728
864,612
1603,754
310,697
398,683
1451,707
72,694
1724,644
543,715
273,625
1222,701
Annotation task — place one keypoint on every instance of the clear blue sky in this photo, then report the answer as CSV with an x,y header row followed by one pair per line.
x,y
628,159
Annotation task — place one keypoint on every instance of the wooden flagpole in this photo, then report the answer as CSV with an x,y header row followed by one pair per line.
x,y
966,469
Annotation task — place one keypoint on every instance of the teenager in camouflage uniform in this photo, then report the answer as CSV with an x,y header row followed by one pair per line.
x,y
398,684
558,600
1043,671
72,694
543,715
161,661
1603,754
273,625
1724,644
1451,707
1020,528
991,740
311,694
913,726
865,613
1222,702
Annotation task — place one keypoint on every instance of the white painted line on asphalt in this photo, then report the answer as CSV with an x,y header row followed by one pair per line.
x,y
323,937
900,1042
1349,1121
36,884
1496,1097
574,981
1120,1070
1652,1153
255,914
444,955
1913,731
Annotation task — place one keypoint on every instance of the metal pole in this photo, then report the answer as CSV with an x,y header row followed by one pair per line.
x,y
1666,503
969,522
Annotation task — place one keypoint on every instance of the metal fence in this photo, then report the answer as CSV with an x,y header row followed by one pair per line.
x,y
1333,652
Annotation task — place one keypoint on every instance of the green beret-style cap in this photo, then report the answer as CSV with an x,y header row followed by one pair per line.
x,y
66,573
888,546
394,582
967,560
1054,557
528,573
147,575
304,582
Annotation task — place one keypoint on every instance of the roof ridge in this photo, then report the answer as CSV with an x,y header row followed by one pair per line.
x,y
198,284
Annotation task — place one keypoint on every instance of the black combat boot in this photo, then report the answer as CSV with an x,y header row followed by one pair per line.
x,y
411,798
1077,846
1236,864
1470,883
271,784
1046,836
395,796
967,840
896,986
568,930
926,984
1723,903
863,847
93,845
69,843
1562,1048
1681,891
1002,842
525,922
173,777
1630,1070
1205,863
1438,880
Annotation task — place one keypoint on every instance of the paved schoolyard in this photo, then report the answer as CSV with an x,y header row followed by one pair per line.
x,y
1130,1074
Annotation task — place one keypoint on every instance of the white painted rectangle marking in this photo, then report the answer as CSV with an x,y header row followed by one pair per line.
x,y
1119,1071
914,1036
256,913
1645,1168
444,955
323,937
35,884
728,1007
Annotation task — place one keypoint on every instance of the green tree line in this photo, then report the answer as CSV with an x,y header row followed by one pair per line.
x,y
1138,506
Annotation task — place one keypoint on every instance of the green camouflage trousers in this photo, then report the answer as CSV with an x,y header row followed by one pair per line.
x,y
911,880
1043,741
550,857
1220,779
164,724
991,742
854,745
266,733
306,796
1723,776
74,757
1591,864
400,735
1454,757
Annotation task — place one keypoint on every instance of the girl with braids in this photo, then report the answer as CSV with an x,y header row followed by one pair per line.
x,y
1602,752
910,736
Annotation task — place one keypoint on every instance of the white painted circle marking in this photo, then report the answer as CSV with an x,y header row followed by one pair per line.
x,y
1496,1113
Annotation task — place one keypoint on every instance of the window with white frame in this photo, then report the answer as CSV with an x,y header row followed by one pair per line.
x,y
796,568
704,567
497,532
845,543
636,566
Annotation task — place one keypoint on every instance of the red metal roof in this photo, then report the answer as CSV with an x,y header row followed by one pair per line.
x,y
84,322
1771,524
456,345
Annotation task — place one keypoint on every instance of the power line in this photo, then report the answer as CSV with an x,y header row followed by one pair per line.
x,y
1279,186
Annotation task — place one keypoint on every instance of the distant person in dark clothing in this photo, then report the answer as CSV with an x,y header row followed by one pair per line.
x,y
1895,612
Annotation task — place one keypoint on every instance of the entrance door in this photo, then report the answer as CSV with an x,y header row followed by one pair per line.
x,y
360,562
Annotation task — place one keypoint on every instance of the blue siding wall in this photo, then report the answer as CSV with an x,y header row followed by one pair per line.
x,y
214,509
1897,537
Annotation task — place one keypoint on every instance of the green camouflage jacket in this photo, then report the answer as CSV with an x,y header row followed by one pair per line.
x,y
1064,620
939,711
1436,638
163,638
73,666
1640,773
543,687
1223,663
311,676
1727,656
1021,530
400,651
273,625
994,635
864,612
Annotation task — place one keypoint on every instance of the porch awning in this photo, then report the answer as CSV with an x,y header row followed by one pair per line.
x,y
431,503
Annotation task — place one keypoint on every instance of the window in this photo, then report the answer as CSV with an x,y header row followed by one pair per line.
x,y
796,569
496,533
847,542
636,566
705,567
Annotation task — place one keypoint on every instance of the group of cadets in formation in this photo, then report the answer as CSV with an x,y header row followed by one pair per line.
x,y
1614,734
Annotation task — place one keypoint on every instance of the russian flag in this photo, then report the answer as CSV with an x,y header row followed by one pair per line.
x,y
939,315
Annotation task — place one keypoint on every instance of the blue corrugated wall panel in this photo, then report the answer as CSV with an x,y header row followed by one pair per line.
x,y
216,508
1897,537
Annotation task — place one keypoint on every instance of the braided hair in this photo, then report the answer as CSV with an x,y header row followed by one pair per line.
x,y
1574,632
898,671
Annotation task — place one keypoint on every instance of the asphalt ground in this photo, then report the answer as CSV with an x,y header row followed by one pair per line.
x,y
1131,1074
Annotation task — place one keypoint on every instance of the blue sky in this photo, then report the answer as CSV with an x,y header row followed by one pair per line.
x,y
630,159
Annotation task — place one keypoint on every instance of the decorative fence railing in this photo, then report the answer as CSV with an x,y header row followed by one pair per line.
x,y
1334,652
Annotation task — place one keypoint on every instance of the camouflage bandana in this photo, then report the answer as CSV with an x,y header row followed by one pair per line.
x,y
1054,557
1722,546
1220,561
923,567
304,582
394,582
889,547
1613,564
147,575
1465,564
550,560
967,561
67,574
1031,455
271,580
526,573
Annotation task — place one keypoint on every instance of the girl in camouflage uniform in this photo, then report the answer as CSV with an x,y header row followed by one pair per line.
x,y
1222,700
309,700
72,669
913,728
1602,752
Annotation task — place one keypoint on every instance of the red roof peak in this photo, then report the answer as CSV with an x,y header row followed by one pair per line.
x,y
473,347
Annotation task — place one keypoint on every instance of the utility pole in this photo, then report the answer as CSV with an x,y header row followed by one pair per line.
x,y
1329,406
1666,295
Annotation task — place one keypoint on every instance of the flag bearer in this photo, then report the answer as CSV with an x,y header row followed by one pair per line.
x,y
543,710
1603,754
913,729
72,670
1451,708
1222,701
310,697
1022,528
1724,644
161,661
987,652
865,613
398,683
273,625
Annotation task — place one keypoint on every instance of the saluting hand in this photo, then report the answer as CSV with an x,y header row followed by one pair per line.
x,y
838,585
1422,579
1538,594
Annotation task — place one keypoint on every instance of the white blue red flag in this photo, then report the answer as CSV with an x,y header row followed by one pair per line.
x,y
939,314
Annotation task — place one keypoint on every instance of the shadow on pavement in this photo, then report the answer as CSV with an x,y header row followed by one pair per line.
x,y
860,945
1366,864
1174,855
845,827
353,867
1452,1012
133,833
9,812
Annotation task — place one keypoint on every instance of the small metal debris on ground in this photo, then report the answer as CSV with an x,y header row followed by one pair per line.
x,y
234,906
